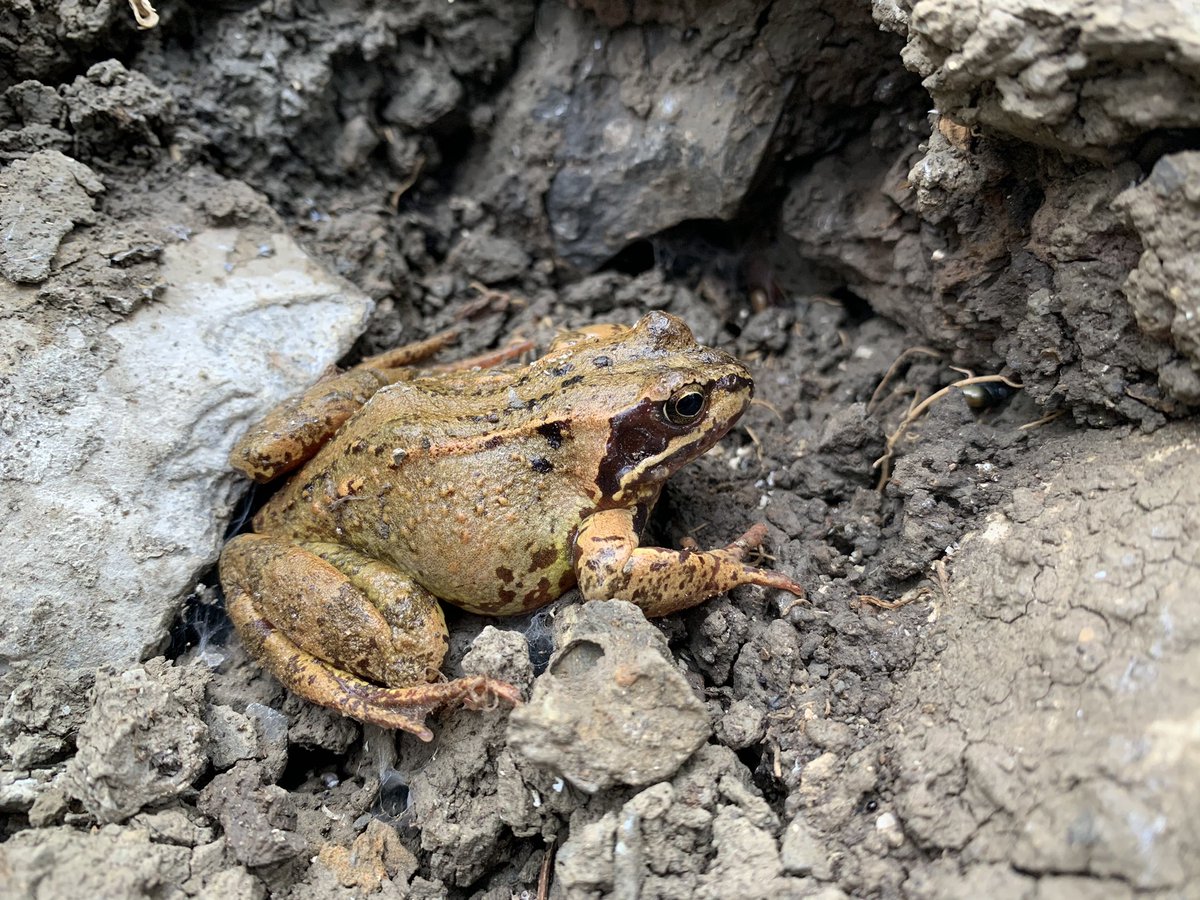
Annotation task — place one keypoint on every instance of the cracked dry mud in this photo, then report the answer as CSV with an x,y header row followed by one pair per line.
x,y
992,691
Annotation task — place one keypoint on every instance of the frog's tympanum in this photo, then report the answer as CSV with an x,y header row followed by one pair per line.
x,y
496,490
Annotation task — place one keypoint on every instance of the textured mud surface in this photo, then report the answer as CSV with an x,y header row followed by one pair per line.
x,y
991,690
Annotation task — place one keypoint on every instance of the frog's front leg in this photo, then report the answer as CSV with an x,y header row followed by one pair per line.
x,y
345,631
609,564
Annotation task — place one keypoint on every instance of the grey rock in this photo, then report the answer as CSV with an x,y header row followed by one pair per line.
x,y
489,258
117,113
110,862
614,130
994,253
424,96
235,882
142,742
271,730
20,790
802,853
747,860
1164,289
1075,76
612,708
231,737
743,725
453,791
114,431
310,725
50,806
43,714
708,827
259,820
500,653
181,826
42,199
51,39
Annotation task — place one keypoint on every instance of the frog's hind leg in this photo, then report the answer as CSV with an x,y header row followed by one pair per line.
x,y
345,631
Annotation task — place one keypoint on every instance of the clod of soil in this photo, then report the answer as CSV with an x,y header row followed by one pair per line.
x,y
611,708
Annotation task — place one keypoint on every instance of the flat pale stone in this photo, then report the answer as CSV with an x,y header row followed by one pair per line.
x,y
113,441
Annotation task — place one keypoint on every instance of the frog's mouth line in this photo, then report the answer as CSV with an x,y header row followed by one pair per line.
x,y
640,440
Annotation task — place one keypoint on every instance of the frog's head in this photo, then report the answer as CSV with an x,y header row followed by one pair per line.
x,y
672,399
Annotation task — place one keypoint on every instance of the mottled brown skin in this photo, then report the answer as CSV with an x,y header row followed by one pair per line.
x,y
496,491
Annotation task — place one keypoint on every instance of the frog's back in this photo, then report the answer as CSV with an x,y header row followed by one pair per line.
x,y
474,492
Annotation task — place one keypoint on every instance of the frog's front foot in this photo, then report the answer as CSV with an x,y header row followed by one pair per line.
x,y
347,632
610,564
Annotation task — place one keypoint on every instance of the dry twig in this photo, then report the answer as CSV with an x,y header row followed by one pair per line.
x,y
144,14
544,873
894,367
884,462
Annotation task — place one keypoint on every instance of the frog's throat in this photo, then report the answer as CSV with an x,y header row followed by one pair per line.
x,y
644,449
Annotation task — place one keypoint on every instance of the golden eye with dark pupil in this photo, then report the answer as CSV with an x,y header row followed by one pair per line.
x,y
685,406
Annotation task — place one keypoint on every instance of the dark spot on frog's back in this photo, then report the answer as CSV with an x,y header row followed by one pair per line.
x,y
539,596
571,382
505,575
544,557
541,464
553,433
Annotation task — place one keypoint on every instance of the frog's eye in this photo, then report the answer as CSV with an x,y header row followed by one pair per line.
x,y
685,405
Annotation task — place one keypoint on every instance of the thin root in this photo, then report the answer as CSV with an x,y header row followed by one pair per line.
x,y
880,603
144,14
406,185
893,368
546,869
884,462
491,299
764,403
1044,420
758,450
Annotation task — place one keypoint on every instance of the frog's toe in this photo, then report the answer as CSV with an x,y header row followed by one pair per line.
x,y
751,540
476,692
490,693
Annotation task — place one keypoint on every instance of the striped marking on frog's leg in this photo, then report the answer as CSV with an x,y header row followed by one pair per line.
x,y
610,565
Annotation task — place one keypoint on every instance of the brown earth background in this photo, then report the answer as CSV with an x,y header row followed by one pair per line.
x,y
995,689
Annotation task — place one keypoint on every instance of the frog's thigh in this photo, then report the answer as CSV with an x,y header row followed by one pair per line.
x,y
322,631
610,564
340,606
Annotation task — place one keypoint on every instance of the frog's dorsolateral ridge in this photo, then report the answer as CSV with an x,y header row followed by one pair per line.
x,y
496,490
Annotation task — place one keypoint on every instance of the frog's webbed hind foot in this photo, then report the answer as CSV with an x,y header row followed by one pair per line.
x,y
402,709
336,627
476,692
